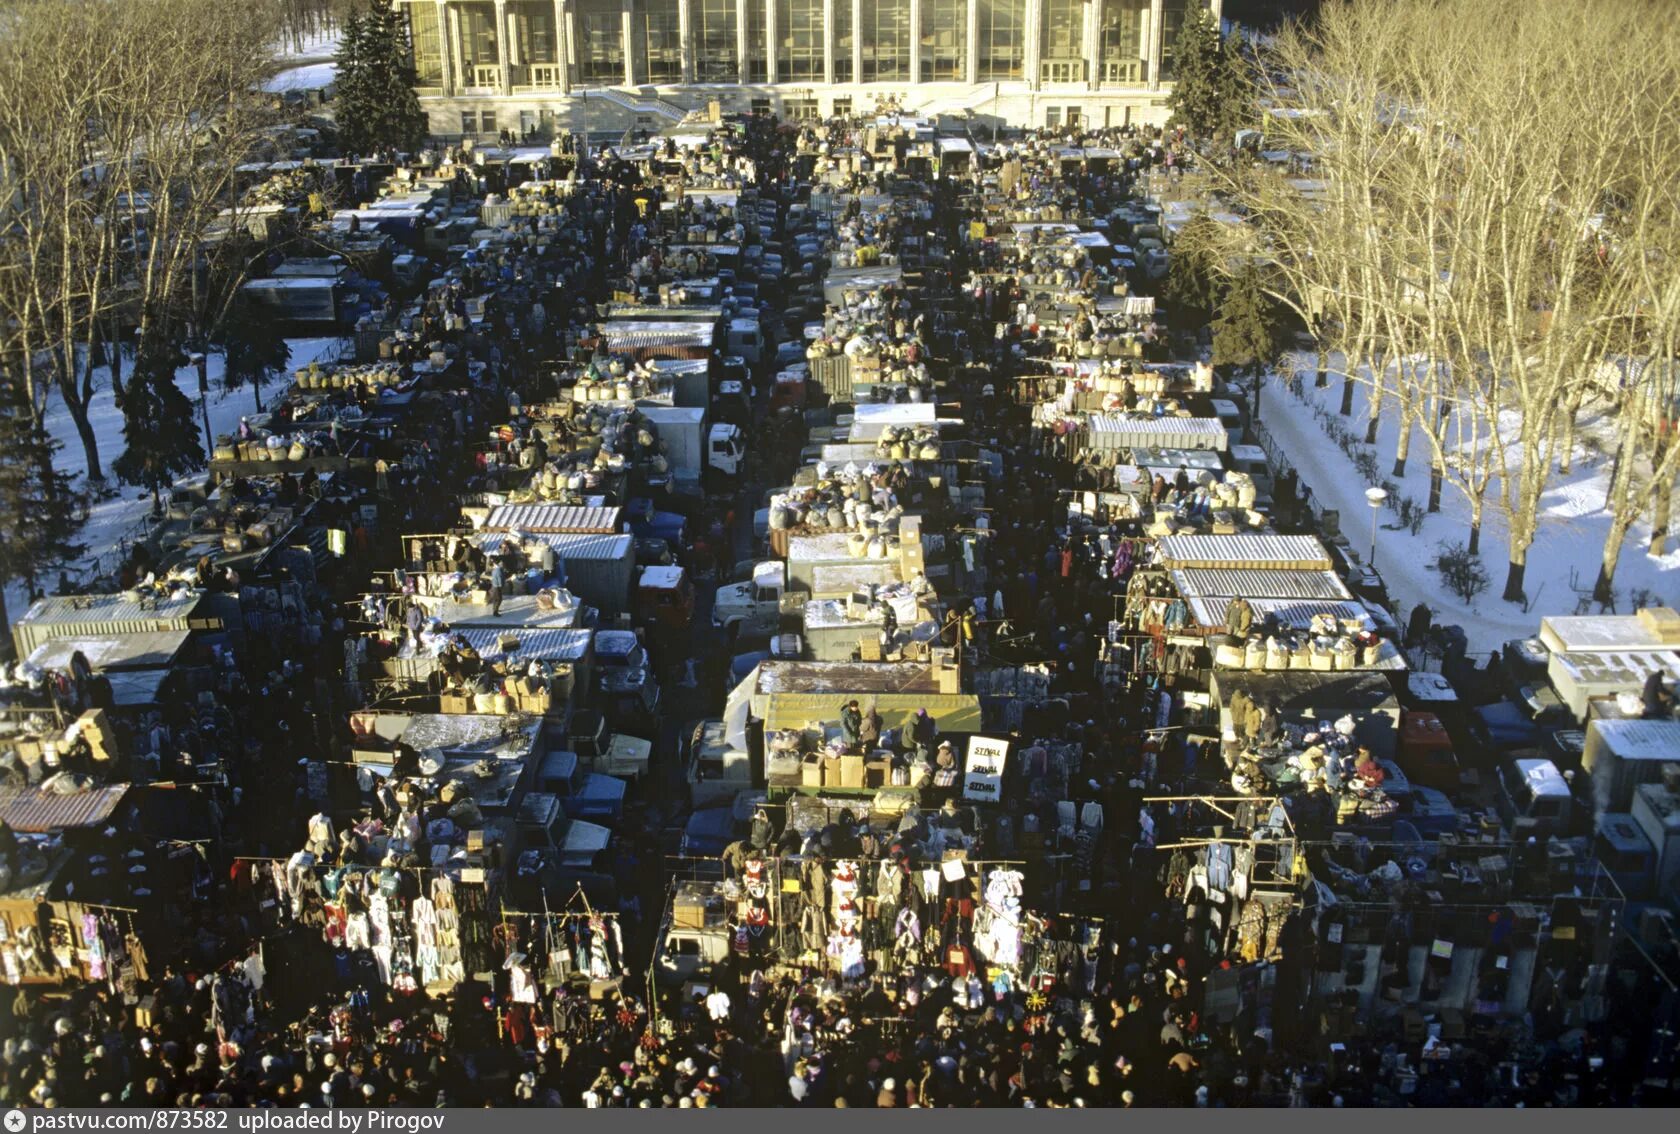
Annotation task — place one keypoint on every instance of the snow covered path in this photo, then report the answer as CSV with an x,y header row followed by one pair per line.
x,y
1570,539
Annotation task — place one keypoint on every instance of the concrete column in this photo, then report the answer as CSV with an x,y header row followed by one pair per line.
x,y
915,42
574,41
1093,42
973,36
772,36
458,44
857,46
828,42
741,47
562,47
446,48
503,42
1032,56
685,32
1154,34
627,34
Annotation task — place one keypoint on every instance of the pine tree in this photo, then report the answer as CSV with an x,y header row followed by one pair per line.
x,y
1192,285
375,105
255,350
1207,79
158,425
1249,330
41,511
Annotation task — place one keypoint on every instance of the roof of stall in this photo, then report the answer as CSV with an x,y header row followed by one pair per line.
x,y
1215,582
567,545
1114,431
651,333
517,611
1308,689
35,810
1243,551
842,679
1598,633
127,607
567,518
951,712
156,649
543,645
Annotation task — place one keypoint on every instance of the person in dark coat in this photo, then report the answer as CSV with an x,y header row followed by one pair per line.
x,y
851,725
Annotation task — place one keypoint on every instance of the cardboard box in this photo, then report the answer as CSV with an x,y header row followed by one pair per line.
x,y
454,703
851,772
831,771
811,771
688,911
145,1012
1662,621
876,772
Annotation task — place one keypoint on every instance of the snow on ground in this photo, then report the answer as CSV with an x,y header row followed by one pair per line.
x,y
311,76
1570,538
320,45
113,521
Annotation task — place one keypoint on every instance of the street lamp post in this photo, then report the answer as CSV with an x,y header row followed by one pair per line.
x,y
1375,497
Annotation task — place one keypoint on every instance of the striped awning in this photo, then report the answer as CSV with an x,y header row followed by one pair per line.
x,y
35,811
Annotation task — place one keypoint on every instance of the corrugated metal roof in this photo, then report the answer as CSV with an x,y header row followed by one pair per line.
x,y
568,545
1112,431
75,610
130,687
518,611
548,645
952,712
1251,551
151,650
545,518
1216,582
1294,613
647,334
845,678
35,811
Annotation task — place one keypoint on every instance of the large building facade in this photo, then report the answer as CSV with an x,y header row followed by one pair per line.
x,y
539,66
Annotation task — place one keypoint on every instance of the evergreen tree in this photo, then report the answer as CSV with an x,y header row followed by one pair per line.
x,y
40,510
1249,331
1192,285
375,104
158,425
255,350
1208,86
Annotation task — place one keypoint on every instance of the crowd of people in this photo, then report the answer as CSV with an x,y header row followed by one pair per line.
x,y
1122,1021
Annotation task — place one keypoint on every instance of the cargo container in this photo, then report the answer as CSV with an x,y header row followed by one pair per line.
x,y
1656,809
1622,754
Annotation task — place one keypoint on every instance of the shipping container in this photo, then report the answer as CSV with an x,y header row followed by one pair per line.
x,y
109,616
1656,809
1579,677
1622,754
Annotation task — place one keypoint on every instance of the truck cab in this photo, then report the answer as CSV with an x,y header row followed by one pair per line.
x,y
1426,752
1534,798
790,388
717,771
629,692
746,339
665,596
731,405
754,607
725,449
647,522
